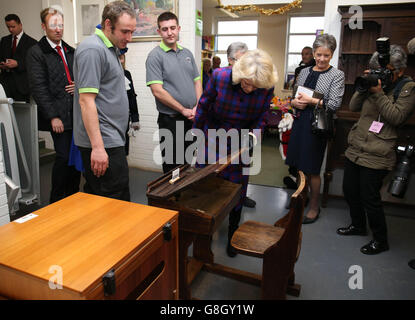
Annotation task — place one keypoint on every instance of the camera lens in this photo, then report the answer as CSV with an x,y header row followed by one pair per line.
x,y
402,173
363,84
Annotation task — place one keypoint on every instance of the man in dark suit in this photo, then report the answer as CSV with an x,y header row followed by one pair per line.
x,y
49,66
13,50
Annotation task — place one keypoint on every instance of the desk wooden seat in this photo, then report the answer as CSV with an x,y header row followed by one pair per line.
x,y
203,202
277,245
252,245
87,236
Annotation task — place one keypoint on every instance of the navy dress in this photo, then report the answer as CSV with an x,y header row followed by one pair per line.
x,y
305,149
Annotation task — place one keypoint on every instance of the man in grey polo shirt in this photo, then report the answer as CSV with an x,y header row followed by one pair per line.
x,y
101,103
174,80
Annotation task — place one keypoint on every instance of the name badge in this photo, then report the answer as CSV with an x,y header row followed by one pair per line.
x,y
376,127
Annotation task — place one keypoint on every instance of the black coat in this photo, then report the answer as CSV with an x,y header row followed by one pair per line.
x,y
48,79
16,76
132,99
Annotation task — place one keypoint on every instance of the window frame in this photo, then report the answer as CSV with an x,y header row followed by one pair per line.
x,y
287,42
219,19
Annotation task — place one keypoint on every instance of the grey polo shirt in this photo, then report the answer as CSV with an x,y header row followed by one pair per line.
x,y
176,71
97,69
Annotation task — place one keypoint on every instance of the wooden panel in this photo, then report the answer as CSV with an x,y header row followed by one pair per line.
x,y
18,285
353,66
361,40
201,207
383,10
85,235
399,30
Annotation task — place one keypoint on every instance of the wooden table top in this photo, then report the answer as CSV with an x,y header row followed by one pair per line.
x,y
86,235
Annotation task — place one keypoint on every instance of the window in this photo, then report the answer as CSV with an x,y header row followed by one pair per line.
x,y
229,31
302,32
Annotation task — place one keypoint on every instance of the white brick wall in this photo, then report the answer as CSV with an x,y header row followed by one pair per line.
x,y
142,146
4,209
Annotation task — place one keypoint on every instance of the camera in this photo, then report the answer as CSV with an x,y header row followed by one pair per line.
x,y
402,173
364,83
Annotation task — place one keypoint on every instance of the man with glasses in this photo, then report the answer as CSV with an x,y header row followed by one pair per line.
x,y
50,64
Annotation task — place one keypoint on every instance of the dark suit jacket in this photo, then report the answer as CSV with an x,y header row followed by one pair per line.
x,y
18,76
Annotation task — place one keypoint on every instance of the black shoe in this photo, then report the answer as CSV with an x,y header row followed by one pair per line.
x,y
231,251
307,220
412,264
248,202
290,182
351,231
374,247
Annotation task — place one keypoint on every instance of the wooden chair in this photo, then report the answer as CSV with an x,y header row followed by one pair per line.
x,y
278,245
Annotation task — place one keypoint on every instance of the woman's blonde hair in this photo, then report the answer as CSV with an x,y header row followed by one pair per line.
x,y
255,65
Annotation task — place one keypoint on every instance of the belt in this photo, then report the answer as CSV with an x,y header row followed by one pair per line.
x,y
173,116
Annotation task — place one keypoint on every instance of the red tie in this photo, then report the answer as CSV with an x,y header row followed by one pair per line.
x,y
14,45
68,75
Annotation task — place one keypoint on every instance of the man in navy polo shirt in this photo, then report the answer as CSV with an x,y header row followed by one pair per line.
x,y
174,80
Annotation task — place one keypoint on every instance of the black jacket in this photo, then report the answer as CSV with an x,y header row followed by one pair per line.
x,y
132,99
19,74
47,78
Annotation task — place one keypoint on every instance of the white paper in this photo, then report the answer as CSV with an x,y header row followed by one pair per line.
x,y
304,90
176,174
26,218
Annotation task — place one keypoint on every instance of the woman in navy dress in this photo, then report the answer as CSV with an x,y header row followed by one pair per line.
x,y
305,149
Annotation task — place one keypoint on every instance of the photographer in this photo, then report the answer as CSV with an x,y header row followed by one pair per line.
x,y
371,152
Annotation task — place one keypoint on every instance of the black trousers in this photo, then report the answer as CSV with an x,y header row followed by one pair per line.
x,y
115,182
361,187
11,88
234,218
65,178
177,158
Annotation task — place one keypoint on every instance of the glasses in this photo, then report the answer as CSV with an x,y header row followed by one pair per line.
x,y
54,26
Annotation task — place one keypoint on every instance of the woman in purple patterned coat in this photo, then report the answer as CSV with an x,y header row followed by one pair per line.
x,y
236,98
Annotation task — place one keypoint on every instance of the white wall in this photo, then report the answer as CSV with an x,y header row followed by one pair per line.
x,y
28,12
142,147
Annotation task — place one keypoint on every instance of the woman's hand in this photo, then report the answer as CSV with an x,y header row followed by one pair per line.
x,y
300,102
